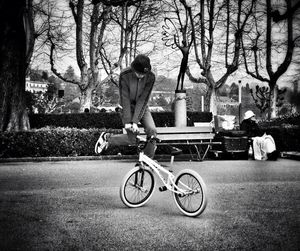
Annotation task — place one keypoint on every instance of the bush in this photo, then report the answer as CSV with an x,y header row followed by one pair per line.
x,y
287,137
282,120
76,120
50,142
107,120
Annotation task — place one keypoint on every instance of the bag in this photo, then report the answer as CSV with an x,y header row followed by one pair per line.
x,y
264,148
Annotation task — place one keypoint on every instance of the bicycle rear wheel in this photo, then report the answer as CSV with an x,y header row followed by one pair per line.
x,y
193,200
137,187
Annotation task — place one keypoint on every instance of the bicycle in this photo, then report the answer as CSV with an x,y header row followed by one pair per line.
x,y
188,188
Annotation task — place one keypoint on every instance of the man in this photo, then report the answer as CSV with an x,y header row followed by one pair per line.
x,y
135,87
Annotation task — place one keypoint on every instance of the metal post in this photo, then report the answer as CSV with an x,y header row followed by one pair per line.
x,y
240,100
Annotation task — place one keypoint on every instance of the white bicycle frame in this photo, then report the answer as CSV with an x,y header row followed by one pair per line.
x,y
157,168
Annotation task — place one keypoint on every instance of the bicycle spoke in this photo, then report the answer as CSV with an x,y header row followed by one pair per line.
x,y
190,199
138,188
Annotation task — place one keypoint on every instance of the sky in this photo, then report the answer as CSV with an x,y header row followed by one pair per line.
x,y
166,62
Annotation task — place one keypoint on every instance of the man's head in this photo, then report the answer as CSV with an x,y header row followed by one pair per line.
x,y
141,65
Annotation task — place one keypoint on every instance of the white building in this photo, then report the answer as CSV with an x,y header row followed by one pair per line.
x,y
35,86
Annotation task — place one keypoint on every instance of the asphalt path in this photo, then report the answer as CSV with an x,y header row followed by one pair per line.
x,y
75,205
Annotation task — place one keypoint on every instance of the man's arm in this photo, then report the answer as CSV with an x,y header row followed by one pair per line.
x,y
143,100
125,100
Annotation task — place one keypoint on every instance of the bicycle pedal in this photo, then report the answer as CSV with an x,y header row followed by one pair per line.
x,y
162,188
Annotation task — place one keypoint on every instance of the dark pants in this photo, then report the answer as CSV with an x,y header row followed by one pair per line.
x,y
130,138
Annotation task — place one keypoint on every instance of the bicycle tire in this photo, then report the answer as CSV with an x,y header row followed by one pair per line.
x,y
137,187
192,203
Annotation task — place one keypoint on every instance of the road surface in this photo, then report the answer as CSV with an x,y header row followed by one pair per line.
x,y
75,205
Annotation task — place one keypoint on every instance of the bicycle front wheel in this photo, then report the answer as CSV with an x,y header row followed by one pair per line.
x,y
137,187
192,199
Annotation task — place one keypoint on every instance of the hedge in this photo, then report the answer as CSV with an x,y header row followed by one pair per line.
x,y
76,134
293,119
107,120
66,141
287,137
50,142
61,142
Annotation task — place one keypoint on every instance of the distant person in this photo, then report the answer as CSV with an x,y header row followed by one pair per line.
x,y
250,125
135,87
263,145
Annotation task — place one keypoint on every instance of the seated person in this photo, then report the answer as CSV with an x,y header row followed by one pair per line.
x,y
250,125
263,145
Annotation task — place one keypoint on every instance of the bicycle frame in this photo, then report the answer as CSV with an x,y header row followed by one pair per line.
x,y
157,168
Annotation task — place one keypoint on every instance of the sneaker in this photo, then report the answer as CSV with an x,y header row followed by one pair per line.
x,y
102,143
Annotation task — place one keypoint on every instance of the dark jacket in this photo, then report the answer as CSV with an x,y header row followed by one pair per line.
x,y
134,94
251,127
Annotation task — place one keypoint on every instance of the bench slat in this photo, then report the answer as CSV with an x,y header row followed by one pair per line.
x,y
185,137
191,136
182,130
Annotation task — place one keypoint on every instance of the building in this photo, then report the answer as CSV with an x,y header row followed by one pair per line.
x,y
35,86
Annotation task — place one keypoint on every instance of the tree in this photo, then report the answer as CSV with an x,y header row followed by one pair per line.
x,y
133,21
261,97
70,73
112,94
91,25
161,101
234,91
14,44
262,47
217,42
177,34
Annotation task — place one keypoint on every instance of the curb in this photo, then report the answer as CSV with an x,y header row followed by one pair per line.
x,y
183,157
290,155
70,158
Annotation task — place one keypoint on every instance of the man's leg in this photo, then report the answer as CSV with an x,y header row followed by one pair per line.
x,y
121,139
107,139
150,130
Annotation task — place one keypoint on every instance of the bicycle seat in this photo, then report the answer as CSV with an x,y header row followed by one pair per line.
x,y
175,151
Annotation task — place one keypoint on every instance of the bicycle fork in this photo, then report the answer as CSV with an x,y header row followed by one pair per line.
x,y
139,179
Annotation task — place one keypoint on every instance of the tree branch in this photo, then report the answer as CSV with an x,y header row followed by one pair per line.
x,y
54,70
277,17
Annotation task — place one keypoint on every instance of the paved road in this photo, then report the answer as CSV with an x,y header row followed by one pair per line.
x,y
75,205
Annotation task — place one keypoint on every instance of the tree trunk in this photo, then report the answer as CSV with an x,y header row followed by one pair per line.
x,y
273,100
13,114
86,99
213,101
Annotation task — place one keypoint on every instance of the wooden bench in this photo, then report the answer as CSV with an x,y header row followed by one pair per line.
x,y
200,137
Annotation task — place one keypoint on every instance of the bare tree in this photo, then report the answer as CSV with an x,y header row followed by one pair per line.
x,y
134,21
96,24
88,44
178,34
265,46
217,42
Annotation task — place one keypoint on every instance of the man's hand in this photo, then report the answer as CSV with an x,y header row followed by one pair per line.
x,y
132,128
128,126
135,128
